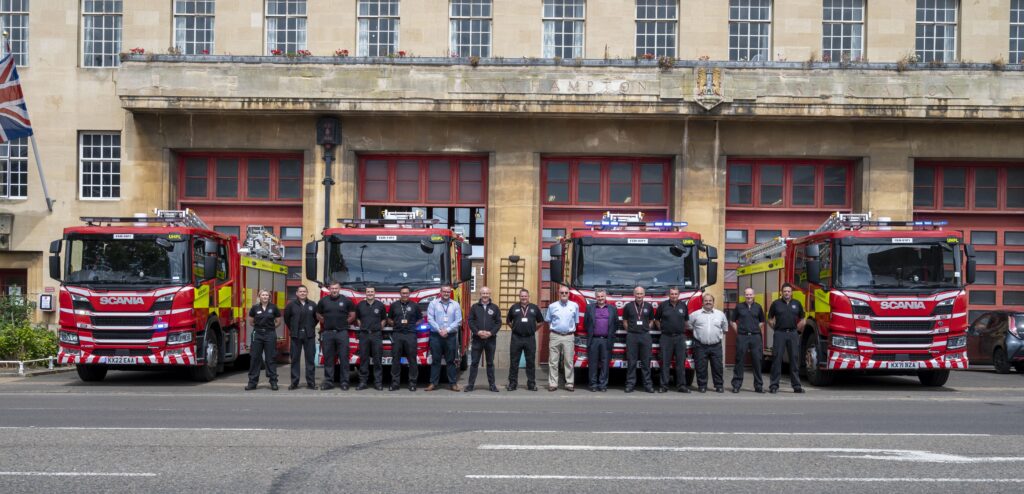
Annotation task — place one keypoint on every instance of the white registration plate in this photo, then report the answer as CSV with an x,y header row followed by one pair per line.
x,y
118,360
902,365
619,364
385,361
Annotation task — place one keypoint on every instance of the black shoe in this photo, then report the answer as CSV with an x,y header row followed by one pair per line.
x,y
511,387
531,387
773,390
273,387
360,387
379,387
412,389
311,386
683,389
759,390
593,390
798,390
602,390
394,387
469,389
293,386
735,389
344,387
719,389
493,389
250,387
326,386
663,389
629,390
702,389
648,389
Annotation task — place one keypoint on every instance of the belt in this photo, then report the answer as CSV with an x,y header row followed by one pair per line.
x,y
671,334
563,334
709,344
785,330
605,337
335,329
751,334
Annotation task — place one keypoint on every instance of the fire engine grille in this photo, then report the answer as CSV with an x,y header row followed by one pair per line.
x,y
901,325
901,339
900,356
122,335
122,352
122,320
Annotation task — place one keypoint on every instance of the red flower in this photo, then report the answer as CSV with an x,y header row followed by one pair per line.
x,y
138,51
401,53
206,52
341,53
276,52
648,56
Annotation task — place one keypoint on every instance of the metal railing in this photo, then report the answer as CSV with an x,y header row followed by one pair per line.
x,y
21,363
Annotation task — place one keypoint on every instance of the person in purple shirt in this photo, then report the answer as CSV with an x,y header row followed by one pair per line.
x,y
600,321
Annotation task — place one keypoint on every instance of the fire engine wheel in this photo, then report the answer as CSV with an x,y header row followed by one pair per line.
x,y
91,373
816,376
1000,361
208,372
933,378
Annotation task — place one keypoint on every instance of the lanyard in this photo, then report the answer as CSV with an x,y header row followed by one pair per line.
x,y
638,313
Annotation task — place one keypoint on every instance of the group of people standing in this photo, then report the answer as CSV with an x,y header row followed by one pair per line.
x,y
337,313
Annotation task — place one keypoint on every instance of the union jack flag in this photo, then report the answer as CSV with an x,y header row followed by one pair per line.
x,y
14,122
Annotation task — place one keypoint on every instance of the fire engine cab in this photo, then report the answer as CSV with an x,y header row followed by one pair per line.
x,y
881,296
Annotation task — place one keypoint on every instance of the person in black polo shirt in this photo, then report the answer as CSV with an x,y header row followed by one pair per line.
x,y
748,322
601,322
671,319
370,312
637,317
787,319
263,318
300,318
523,319
404,316
484,323
335,312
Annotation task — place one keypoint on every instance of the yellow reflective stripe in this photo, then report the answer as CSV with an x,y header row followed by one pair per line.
x,y
821,301
263,265
224,297
280,299
202,300
761,267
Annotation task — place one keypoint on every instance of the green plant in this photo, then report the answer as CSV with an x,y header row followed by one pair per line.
x,y
474,60
905,61
14,310
25,342
666,63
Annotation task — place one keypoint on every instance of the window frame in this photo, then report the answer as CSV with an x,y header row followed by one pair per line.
x,y
924,54
1016,56
856,53
363,45
747,4
557,51
117,18
18,36
82,161
788,165
605,163
423,184
454,30
7,171
193,47
673,49
269,45
242,175
939,168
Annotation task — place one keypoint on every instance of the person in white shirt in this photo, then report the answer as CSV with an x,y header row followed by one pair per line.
x,y
709,326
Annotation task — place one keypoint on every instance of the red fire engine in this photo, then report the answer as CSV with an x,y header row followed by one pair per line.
x,y
397,250
162,290
883,296
622,251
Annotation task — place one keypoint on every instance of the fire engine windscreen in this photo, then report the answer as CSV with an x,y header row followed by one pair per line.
x,y
139,260
933,265
626,266
389,263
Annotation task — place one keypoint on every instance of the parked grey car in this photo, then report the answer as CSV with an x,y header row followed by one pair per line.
x,y
997,338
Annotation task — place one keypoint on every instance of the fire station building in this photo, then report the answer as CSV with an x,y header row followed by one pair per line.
x,y
514,122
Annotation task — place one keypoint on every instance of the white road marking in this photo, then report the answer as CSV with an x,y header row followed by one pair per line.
x,y
907,455
708,433
78,474
215,429
744,479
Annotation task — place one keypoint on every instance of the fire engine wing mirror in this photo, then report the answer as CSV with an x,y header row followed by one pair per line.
x,y
55,247
679,250
210,246
466,270
55,260
712,274
426,246
711,251
312,249
556,250
555,271
812,251
972,265
814,271
209,267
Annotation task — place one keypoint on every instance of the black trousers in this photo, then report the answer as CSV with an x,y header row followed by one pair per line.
x,y
371,345
597,362
786,341
748,343
486,347
673,348
305,347
263,350
701,354
638,354
403,345
443,347
334,346
517,347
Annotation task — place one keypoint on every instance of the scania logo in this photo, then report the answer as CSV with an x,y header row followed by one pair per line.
x,y
901,305
121,300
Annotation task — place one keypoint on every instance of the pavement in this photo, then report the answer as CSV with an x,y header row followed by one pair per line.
x,y
160,432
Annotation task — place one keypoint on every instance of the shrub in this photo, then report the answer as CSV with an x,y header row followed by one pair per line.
x,y
22,341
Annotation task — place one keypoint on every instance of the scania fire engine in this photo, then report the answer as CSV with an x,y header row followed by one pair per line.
x,y
398,250
880,296
161,290
622,251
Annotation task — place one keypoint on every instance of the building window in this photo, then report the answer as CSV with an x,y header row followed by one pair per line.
x,y
414,179
193,26
99,165
982,297
762,236
656,24
985,278
736,236
471,28
563,28
603,182
935,39
924,187
983,237
101,33
800,184
378,28
1013,238
286,26
1016,31
1013,278
980,186
14,169
14,22
750,30
842,33
247,178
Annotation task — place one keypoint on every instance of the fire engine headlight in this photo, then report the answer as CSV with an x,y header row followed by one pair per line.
x,y
944,308
956,342
179,338
846,342
68,337
163,303
860,307
80,304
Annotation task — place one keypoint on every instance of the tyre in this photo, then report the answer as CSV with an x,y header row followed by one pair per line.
x,y
91,373
816,376
212,352
1000,361
933,378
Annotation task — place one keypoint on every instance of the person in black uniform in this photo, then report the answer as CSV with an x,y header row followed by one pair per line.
x,y
300,318
263,318
787,319
404,317
523,319
335,312
370,313
748,322
601,322
484,323
670,317
637,317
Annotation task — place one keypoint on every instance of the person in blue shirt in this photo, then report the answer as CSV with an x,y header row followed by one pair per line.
x,y
445,318
562,317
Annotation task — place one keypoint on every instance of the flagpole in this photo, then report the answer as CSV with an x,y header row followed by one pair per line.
x,y
42,178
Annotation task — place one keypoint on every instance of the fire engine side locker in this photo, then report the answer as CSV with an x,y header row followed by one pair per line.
x,y
765,279
265,275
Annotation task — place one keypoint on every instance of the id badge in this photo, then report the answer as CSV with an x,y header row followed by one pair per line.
x,y
523,320
639,323
405,321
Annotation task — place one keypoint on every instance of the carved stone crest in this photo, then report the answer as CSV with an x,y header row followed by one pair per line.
x,y
708,88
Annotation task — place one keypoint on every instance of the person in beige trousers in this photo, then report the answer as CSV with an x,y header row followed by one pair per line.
x,y
562,317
